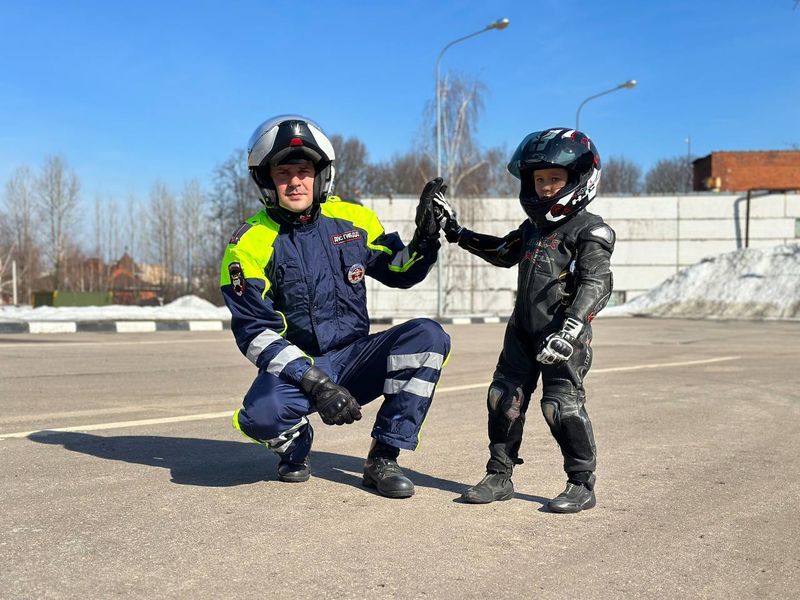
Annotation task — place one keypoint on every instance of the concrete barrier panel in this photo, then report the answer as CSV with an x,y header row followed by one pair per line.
x,y
643,253
773,205
792,205
651,230
635,207
771,243
771,228
704,206
692,252
640,278
708,229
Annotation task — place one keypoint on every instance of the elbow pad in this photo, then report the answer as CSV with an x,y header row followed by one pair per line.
x,y
593,278
593,293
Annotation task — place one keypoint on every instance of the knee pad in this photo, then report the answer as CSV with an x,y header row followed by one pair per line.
x,y
550,412
563,409
560,400
505,403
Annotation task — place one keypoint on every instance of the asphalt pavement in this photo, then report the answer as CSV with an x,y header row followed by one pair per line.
x,y
120,475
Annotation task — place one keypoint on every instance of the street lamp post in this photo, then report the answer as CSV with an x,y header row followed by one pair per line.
x,y
628,85
499,25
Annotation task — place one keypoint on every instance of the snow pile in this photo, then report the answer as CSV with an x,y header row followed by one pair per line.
x,y
192,302
187,308
753,283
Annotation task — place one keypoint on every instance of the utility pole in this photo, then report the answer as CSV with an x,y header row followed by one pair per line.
x,y
14,282
689,163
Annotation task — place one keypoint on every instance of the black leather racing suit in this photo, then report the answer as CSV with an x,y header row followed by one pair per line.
x,y
564,271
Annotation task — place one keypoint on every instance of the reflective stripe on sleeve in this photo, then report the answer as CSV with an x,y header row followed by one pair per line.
x,y
404,260
259,343
432,360
284,357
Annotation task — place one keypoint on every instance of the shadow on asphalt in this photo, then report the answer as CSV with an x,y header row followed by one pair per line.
x,y
218,463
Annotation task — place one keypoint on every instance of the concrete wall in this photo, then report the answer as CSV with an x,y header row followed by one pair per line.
x,y
656,236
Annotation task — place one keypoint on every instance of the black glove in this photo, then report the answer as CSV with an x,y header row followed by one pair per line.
x,y
334,404
446,216
558,347
427,225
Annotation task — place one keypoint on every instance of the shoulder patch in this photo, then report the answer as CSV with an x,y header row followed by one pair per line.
x,y
237,278
237,235
603,232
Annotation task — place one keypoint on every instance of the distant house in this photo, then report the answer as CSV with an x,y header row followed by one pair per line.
x,y
128,285
752,170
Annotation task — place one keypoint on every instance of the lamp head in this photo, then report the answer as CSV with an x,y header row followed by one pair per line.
x,y
500,24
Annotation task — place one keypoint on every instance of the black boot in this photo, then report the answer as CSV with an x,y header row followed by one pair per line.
x,y
292,472
497,484
577,496
382,472
494,486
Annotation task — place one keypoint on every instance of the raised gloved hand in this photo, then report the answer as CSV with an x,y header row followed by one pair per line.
x,y
334,404
427,224
558,347
446,216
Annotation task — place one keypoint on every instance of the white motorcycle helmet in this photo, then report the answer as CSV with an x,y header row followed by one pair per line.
x,y
286,139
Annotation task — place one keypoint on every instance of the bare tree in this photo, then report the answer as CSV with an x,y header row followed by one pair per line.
x,y
234,197
107,234
403,174
620,176
669,176
162,236
57,199
191,209
18,234
491,178
352,167
468,170
461,106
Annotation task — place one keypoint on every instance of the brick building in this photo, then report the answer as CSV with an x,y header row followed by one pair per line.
x,y
129,286
753,170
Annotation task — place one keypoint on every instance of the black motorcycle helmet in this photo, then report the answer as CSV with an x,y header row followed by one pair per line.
x,y
557,147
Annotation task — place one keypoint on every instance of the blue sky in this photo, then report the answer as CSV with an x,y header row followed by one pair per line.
x,y
134,92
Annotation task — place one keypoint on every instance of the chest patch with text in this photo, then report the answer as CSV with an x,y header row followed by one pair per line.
x,y
537,254
346,236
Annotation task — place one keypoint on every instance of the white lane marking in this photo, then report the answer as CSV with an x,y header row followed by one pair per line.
x,y
666,365
444,390
82,413
121,424
686,363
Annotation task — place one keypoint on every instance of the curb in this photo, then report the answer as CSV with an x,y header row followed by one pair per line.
x,y
110,326
197,325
